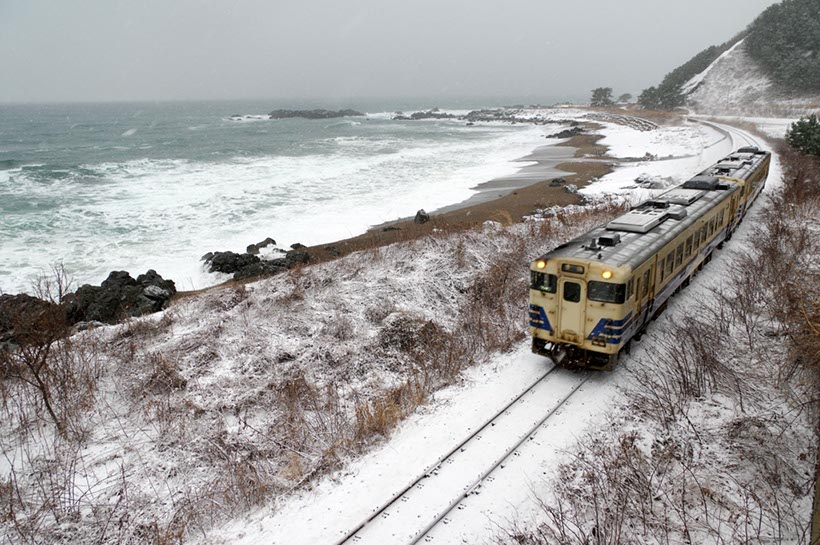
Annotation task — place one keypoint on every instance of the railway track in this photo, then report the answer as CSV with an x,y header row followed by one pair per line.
x,y
416,509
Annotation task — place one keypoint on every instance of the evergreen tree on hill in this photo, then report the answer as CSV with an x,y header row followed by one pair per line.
x,y
785,40
804,135
602,96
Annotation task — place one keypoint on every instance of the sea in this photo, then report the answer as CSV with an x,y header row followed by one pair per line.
x,y
137,186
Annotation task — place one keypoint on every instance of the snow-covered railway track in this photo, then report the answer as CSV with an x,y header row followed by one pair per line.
x,y
410,515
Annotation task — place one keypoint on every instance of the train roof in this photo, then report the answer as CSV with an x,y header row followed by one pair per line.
x,y
636,236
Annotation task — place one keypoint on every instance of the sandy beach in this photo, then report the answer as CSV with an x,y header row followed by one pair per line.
x,y
505,200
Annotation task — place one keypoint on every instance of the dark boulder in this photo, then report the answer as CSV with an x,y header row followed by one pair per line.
x,y
298,246
120,296
391,228
262,268
230,262
567,133
254,248
332,250
421,217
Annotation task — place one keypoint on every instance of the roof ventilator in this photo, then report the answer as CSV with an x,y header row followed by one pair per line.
x,y
610,239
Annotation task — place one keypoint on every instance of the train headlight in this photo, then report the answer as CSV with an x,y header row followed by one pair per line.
x,y
607,274
541,264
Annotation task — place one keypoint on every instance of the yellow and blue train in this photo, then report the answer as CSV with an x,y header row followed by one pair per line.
x,y
591,296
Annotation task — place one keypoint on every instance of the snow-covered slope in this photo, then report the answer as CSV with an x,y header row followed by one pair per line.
x,y
734,84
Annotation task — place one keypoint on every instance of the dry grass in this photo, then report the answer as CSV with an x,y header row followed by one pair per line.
x,y
207,448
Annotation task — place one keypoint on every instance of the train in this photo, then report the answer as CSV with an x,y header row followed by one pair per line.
x,y
591,297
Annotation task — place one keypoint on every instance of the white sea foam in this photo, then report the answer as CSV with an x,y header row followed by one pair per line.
x,y
164,214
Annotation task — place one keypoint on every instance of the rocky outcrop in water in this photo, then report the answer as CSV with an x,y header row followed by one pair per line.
x,y
249,265
568,133
120,296
314,114
506,115
254,248
435,113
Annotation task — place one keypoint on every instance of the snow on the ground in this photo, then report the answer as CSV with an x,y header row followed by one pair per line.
x,y
773,127
240,349
340,502
681,152
734,84
690,85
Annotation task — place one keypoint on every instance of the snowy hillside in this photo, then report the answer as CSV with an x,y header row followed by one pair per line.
x,y
735,84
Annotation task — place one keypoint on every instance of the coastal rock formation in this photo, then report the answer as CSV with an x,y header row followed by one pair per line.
x,y
120,296
435,113
314,114
421,217
568,133
254,248
506,115
230,262
248,265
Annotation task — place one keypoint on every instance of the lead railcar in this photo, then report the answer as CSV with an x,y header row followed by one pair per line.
x,y
591,296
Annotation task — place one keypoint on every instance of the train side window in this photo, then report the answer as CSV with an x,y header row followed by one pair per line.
x,y
697,238
572,292
543,281
711,226
605,292
645,286
720,221
662,268
679,255
629,286
689,246
668,263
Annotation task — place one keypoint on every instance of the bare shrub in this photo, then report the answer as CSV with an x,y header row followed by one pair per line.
x,y
163,376
380,415
54,285
62,370
339,326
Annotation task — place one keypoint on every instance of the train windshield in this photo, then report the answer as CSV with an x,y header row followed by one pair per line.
x,y
606,292
543,281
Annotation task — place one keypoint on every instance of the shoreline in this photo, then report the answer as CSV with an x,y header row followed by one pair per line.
x,y
506,200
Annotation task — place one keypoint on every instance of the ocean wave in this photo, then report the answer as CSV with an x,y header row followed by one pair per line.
x,y
165,213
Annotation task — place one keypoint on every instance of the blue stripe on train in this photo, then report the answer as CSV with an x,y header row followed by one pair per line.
x,y
538,318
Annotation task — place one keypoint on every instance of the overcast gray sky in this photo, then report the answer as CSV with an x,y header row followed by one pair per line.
x,y
95,50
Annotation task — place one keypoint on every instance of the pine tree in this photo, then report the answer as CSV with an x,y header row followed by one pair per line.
x,y
602,96
804,135
648,99
626,97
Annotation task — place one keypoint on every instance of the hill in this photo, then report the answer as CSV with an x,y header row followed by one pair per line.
x,y
770,68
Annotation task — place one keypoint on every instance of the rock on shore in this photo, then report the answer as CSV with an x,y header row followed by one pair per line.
x,y
314,114
120,296
250,265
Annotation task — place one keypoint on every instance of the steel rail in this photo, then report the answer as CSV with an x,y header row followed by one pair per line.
x,y
435,465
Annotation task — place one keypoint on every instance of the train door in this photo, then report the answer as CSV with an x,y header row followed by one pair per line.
x,y
573,309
